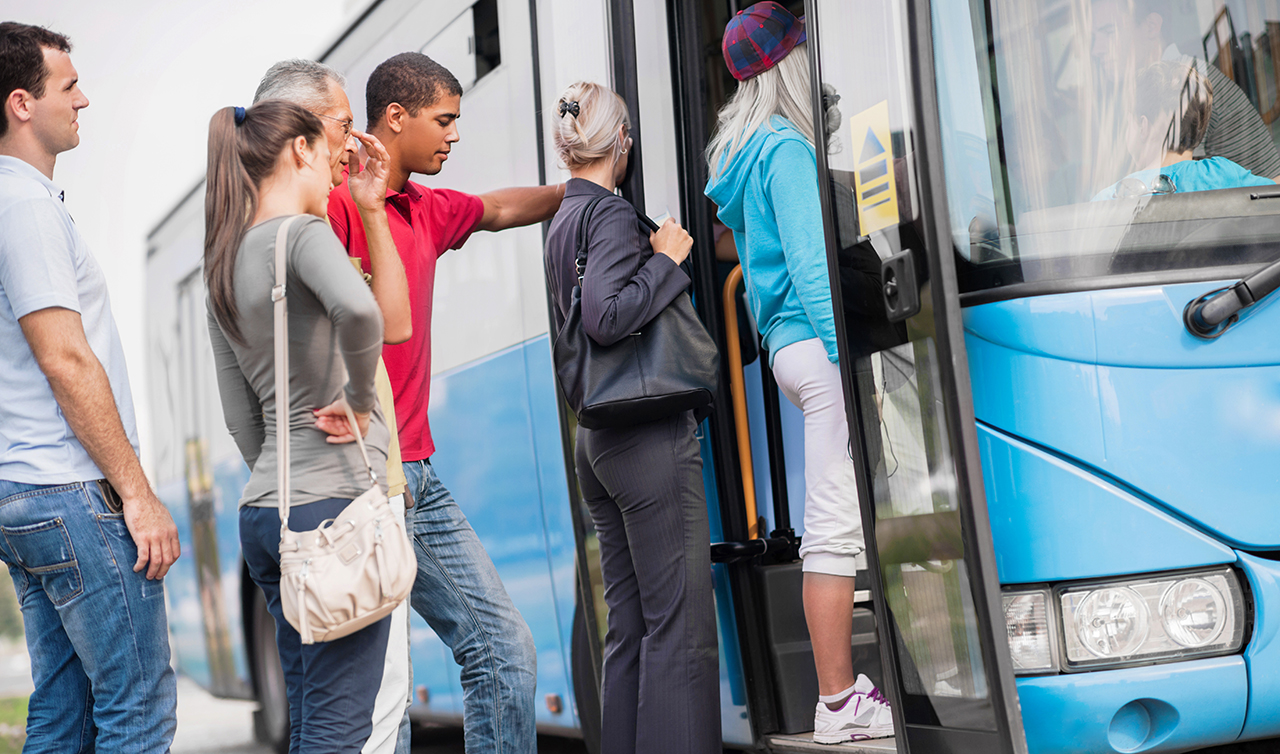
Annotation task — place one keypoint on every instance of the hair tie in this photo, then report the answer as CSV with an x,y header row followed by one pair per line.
x,y
239,115
569,107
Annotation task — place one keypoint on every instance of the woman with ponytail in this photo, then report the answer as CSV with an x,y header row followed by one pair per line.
x,y
764,179
643,484
267,164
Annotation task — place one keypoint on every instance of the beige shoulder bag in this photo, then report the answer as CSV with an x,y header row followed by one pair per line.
x,y
356,568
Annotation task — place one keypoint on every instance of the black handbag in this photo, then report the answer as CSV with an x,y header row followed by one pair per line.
x,y
671,365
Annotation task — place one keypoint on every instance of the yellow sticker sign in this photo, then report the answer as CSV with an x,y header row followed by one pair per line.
x,y
874,186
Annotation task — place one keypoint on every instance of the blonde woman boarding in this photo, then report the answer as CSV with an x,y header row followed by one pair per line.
x,y
764,179
643,484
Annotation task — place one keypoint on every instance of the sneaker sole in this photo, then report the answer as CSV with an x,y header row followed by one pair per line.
x,y
852,735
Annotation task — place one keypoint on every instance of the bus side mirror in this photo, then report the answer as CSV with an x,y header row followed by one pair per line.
x,y
898,284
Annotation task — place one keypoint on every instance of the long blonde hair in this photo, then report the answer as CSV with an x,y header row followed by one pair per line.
x,y
781,90
591,133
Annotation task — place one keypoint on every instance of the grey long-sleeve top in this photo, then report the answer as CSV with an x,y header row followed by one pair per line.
x,y
335,338
626,284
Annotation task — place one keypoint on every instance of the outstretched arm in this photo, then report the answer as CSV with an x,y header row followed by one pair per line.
x,y
83,392
521,205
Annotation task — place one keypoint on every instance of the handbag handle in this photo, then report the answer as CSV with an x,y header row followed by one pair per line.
x,y
280,313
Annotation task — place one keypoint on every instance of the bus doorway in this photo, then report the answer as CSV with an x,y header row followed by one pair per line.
x,y
907,381
756,435
933,590
932,579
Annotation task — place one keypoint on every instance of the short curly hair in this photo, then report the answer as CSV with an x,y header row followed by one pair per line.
x,y
22,60
410,79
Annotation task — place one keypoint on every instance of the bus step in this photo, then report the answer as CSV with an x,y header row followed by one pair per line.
x,y
803,742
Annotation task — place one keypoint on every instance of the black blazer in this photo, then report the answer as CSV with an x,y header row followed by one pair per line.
x,y
626,284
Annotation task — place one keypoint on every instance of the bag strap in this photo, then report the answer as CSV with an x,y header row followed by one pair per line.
x,y
281,315
580,249
280,312
580,256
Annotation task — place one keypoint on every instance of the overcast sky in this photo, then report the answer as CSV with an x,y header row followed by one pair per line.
x,y
154,72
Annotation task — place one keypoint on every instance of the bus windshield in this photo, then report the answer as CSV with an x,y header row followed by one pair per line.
x,y
1095,143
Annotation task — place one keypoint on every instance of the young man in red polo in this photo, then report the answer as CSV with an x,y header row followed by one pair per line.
x,y
413,105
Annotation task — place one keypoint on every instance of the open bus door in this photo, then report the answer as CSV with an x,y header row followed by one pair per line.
x,y
945,663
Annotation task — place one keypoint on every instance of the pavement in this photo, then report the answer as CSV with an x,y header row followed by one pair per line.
x,y
15,669
208,725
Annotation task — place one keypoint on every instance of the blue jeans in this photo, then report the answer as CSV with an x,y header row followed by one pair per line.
x,y
459,594
96,631
331,685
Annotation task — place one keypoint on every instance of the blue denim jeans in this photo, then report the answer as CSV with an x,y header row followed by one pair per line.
x,y
459,594
96,631
331,685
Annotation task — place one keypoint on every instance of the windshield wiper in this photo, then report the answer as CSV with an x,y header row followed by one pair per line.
x,y
1208,316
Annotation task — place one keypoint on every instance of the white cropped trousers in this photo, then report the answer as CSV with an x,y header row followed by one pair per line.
x,y
832,519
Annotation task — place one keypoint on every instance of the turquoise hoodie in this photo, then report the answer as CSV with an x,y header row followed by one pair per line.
x,y
768,196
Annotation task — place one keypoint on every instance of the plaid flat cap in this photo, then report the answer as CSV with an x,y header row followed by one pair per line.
x,y
758,37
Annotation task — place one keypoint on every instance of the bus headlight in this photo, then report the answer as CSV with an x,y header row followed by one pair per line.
x,y
1194,612
1111,622
1031,641
1145,620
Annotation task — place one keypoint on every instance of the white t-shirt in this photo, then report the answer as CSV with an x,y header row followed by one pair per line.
x,y
44,263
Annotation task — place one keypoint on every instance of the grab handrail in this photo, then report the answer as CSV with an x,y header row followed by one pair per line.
x,y
737,387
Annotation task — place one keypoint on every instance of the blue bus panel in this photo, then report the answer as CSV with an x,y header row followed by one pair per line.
x,y
1114,443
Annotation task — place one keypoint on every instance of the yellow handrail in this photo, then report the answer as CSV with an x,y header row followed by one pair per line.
x,y
738,389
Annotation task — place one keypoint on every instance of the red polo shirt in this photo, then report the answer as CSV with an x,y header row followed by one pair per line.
x,y
425,223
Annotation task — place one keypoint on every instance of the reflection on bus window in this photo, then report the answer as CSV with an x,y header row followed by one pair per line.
x,y
1166,110
1170,116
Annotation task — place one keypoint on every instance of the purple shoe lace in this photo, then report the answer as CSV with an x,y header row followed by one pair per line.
x,y
876,696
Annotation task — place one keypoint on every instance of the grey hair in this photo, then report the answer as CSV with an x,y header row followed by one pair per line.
x,y
781,90
302,82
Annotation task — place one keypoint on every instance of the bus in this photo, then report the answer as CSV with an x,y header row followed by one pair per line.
x,y
1060,372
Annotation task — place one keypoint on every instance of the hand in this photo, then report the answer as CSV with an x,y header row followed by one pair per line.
x,y
332,420
369,186
154,533
672,240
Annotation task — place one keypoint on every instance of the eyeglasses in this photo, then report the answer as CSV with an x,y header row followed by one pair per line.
x,y
1131,187
347,124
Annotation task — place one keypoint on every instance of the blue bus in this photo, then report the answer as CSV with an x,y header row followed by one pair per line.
x,y
1060,371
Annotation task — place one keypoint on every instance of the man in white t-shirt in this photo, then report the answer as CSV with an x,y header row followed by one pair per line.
x,y
85,538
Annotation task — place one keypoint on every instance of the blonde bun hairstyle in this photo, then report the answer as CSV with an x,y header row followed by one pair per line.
x,y
586,120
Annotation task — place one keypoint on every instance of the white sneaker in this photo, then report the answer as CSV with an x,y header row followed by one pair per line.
x,y
865,714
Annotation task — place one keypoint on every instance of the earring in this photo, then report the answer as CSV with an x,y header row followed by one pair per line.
x,y
622,152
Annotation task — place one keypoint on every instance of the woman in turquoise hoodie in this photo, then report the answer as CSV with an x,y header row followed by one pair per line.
x,y
764,179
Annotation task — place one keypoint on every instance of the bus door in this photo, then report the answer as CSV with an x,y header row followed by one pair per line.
x,y
753,441
906,379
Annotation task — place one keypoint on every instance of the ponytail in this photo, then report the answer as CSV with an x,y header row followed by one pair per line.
x,y
244,147
230,201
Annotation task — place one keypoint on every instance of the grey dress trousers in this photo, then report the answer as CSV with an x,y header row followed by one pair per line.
x,y
643,486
